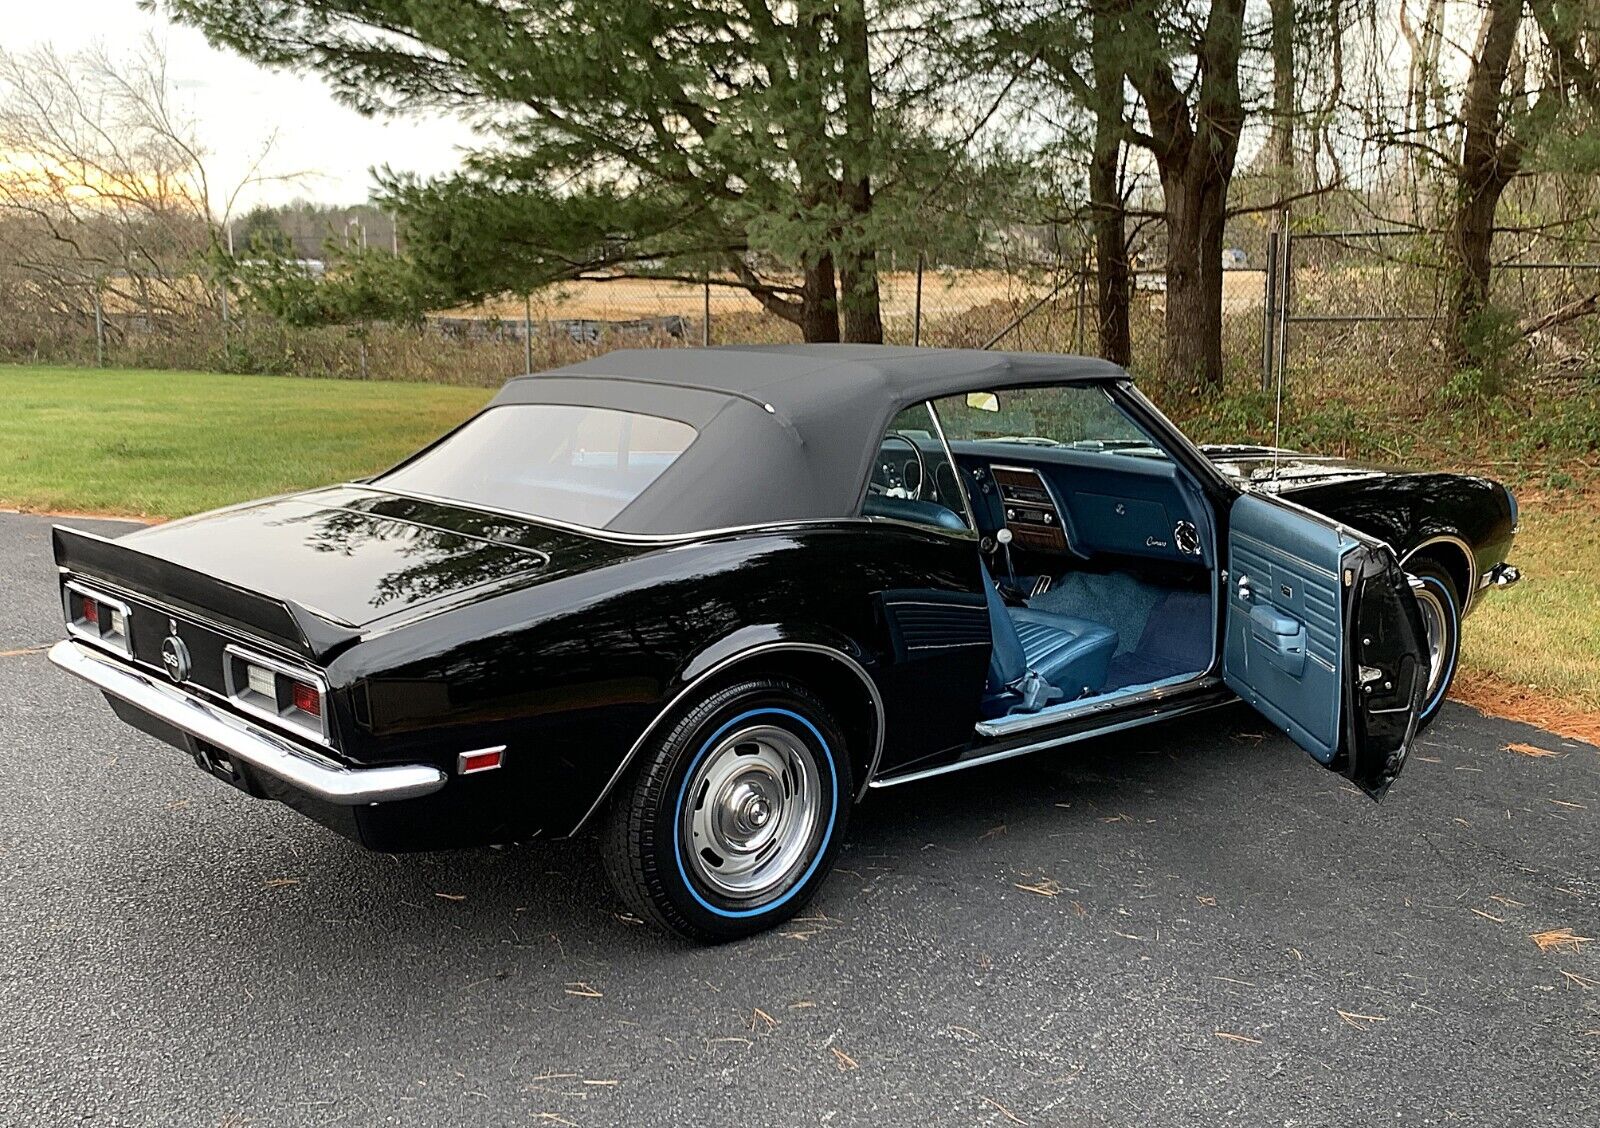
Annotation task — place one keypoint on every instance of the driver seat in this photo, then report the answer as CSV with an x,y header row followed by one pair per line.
x,y
1038,657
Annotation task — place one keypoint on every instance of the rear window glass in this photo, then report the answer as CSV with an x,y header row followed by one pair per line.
x,y
582,465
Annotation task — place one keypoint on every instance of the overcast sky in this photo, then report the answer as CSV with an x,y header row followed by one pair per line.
x,y
237,105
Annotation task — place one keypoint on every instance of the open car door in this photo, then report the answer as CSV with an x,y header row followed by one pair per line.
x,y
1324,637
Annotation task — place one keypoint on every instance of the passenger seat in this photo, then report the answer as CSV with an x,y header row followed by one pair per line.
x,y
1069,654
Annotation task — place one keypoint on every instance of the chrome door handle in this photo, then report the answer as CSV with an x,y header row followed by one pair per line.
x,y
1244,588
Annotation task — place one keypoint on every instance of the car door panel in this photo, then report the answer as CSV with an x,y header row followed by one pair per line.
x,y
1323,637
1286,645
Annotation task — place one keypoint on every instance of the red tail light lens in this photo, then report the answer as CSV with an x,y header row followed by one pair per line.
x,y
306,698
91,611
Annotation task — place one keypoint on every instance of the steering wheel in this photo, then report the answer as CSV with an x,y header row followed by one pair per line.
x,y
885,479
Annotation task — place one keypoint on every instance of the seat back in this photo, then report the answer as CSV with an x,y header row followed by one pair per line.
x,y
1007,660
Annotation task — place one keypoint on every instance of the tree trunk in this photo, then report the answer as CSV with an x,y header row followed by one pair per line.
x,y
1490,157
858,262
1196,213
1280,143
1108,215
819,302
1195,148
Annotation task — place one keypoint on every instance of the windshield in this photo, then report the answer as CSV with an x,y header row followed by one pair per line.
x,y
581,465
1077,416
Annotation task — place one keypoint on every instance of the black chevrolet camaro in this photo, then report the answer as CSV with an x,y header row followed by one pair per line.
x,y
707,600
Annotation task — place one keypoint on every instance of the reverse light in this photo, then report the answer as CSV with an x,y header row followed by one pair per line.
x,y
262,681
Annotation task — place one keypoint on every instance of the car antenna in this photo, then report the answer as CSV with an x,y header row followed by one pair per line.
x,y
1277,428
1281,356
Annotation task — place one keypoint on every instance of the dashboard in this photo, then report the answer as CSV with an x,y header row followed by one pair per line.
x,y
913,462
1066,501
1084,503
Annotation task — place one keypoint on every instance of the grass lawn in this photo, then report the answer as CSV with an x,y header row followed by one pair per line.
x,y
163,444
1544,634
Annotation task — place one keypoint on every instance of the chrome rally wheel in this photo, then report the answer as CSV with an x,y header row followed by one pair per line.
x,y
749,812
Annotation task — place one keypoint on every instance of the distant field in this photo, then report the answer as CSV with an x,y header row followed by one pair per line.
x,y
944,293
162,444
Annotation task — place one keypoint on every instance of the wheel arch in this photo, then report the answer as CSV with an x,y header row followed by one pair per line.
x,y
1455,556
842,683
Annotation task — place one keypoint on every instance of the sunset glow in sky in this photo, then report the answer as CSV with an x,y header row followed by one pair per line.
x,y
237,105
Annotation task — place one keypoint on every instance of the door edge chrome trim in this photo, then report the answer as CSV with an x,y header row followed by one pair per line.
x,y
733,659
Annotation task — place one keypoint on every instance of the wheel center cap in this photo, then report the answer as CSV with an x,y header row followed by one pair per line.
x,y
749,811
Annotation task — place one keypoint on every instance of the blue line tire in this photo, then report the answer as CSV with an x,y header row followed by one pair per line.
x,y
1440,604
670,807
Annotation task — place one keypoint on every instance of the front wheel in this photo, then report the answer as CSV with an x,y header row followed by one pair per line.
x,y
733,817
1440,605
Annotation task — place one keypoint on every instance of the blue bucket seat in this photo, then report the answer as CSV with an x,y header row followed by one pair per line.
x,y
1038,656
1067,654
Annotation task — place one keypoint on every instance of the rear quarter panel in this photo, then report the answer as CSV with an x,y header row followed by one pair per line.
x,y
568,674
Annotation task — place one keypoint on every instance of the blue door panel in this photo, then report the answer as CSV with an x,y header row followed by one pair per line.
x,y
1283,652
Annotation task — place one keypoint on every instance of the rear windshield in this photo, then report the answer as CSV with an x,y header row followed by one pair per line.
x,y
581,465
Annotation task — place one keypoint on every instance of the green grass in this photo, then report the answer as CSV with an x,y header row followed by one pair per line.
x,y
164,444
1544,634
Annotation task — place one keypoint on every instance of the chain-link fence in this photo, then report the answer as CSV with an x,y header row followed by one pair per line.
x,y
1385,293
1311,302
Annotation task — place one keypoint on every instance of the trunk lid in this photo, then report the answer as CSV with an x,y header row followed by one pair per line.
x,y
313,571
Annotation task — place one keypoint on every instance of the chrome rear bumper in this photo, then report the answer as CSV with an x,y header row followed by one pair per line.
x,y
263,750
1500,576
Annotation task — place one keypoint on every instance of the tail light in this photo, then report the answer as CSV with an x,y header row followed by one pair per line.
x,y
98,617
306,698
292,698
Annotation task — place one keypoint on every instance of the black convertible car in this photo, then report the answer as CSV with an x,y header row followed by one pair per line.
x,y
708,599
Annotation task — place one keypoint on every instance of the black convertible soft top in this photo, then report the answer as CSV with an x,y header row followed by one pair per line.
x,y
786,432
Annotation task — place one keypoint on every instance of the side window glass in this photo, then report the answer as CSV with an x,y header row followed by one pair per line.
x,y
912,477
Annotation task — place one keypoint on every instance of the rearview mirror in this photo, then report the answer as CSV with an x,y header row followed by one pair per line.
x,y
983,401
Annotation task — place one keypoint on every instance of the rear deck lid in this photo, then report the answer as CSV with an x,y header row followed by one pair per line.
x,y
347,556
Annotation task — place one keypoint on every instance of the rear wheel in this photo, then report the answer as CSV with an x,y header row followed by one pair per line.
x,y
733,817
1440,605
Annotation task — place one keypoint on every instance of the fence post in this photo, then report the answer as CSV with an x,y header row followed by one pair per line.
x,y
1269,312
916,313
527,332
705,313
1080,316
99,328
1285,296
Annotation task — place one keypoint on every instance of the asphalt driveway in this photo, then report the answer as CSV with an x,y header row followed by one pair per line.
x,y
1187,924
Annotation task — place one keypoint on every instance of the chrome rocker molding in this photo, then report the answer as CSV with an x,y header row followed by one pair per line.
x,y
261,749
733,659
1023,722
1051,742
